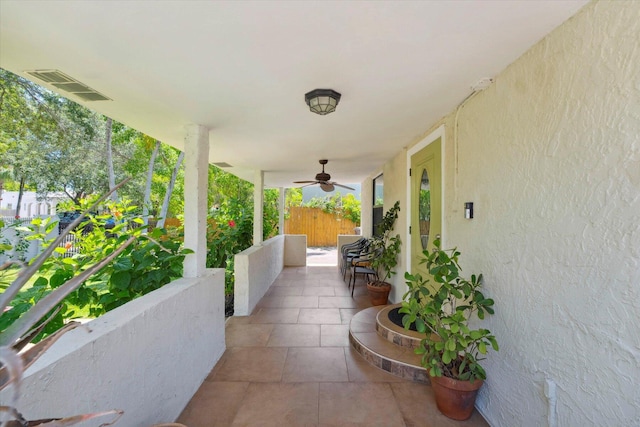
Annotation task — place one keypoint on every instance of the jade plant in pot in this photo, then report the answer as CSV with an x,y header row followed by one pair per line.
x,y
441,308
386,248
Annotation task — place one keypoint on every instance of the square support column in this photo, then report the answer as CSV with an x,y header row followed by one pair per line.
x,y
258,207
281,202
196,168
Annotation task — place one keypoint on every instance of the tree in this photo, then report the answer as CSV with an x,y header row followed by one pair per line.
x,y
51,143
18,116
293,197
167,196
147,189
112,175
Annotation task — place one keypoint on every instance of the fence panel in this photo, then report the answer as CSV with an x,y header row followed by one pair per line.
x,y
321,228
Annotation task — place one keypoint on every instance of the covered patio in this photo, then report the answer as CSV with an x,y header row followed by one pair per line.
x,y
290,364
528,111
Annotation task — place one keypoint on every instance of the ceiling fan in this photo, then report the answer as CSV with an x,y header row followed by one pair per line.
x,y
323,179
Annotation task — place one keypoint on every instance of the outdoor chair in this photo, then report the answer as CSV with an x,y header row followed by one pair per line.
x,y
350,251
362,265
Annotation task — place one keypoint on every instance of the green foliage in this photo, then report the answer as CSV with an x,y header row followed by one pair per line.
x,y
230,227
224,240
293,197
57,145
270,215
351,208
424,211
226,236
344,206
15,248
148,264
152,261
387,244
50,142
442,312
328,204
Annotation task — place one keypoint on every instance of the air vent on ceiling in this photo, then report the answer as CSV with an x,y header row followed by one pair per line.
x,y
222,165
66,83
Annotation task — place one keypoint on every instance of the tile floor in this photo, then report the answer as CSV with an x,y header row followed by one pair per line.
x,y
290,364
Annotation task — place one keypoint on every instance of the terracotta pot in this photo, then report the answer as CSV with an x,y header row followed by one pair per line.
x,y
454,398
379,293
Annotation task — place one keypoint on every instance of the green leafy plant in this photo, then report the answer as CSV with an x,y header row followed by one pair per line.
x,y
14,357
146,265
120,262
442,310
225,238
151,261
387,245
351,209
271,215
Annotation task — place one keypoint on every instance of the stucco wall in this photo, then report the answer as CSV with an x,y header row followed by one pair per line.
x,y
147,357
395,184
295,250
255,270
550,156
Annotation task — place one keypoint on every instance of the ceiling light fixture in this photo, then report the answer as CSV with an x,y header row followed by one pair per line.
x,y
322,101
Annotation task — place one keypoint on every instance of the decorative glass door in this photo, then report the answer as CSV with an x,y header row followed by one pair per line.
x,y
426,202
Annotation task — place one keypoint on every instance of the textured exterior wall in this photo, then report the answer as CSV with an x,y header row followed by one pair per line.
x,y
550,156
395,184
295,250
255,270
147,357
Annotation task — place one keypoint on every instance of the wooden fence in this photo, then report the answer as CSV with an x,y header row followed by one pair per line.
x,y
321,228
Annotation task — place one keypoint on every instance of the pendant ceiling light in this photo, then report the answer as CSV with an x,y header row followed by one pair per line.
x,y
322,101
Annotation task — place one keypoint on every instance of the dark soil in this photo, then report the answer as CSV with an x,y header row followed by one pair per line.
x,y
396,318
228,306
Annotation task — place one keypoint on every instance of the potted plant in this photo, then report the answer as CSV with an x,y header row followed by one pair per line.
x,y
441,307
386,248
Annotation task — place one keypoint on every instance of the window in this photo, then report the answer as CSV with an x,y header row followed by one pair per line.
x,y
378,201
378,193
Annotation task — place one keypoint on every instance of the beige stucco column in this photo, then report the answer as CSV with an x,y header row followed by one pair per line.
x,y
258,207
196,166
281,201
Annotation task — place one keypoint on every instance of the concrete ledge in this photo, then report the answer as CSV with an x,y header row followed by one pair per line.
x,y
295,250
147,357
258,266
255,270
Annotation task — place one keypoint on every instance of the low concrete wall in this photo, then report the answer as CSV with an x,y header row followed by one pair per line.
x,y
258,266
255,270
295,250
147,357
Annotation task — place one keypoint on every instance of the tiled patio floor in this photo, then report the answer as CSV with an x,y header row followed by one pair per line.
x,y
290,364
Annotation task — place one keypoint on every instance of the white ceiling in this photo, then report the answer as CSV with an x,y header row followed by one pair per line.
x,y
242,68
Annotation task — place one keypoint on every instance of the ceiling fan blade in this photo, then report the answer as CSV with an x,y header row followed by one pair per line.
x,y
343,186
306,185
305,182
327,186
